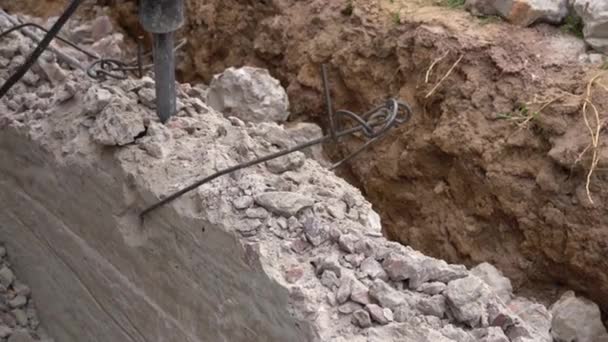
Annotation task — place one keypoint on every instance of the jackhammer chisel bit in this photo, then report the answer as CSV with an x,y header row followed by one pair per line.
x,y
162,18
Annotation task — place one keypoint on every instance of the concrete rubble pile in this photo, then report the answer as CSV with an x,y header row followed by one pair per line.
x,y
284,251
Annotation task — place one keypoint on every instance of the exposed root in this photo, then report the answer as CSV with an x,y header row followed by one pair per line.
x,y
430,70
444,77
594,132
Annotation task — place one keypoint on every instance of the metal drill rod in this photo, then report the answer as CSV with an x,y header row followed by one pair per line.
x,y
164,70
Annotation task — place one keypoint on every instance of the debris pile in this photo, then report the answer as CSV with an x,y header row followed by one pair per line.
x,y
303,240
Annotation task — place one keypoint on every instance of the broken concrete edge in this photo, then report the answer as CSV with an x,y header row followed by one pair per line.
x,y
285,251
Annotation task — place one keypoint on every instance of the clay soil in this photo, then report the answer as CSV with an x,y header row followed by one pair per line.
x,y
493,167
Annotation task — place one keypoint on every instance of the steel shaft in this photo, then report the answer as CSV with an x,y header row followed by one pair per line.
x,y
164,70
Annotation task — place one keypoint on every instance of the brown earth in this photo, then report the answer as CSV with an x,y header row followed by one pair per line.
x,y
492,167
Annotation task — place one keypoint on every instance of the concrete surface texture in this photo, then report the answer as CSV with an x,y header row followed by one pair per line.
x,y
285,251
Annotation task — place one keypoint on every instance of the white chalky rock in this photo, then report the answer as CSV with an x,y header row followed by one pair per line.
x,y
494,278
249,94
577,319
535,315
595,16
521,12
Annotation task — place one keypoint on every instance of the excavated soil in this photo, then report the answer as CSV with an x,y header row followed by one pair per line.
x,y
494,165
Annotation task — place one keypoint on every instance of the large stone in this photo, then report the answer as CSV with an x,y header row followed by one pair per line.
x,y
467,299
521,12
535,315
595,16
249,94
284,203
494,278
577,319
113,128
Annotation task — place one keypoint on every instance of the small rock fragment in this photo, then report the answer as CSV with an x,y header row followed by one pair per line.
x,y
259,213
5,331
52,72
432,288
490,334
6,276
362,319
348,308
315,231
95,100
242,202
344,290
434,306
329,279
293,274
21,336
284,203
387,296
290,162
330,264
20,317
347,242
373,269
379,314
359,293
354,260
494,278
18,301
403,313
147,97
